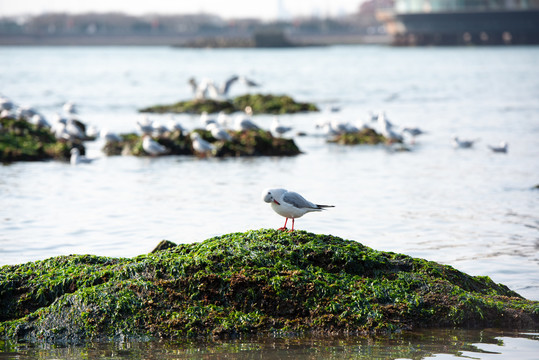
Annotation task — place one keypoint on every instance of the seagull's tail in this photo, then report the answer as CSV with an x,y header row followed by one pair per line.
x,y
324,206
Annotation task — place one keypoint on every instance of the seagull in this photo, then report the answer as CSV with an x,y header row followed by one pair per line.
x,y
207,88
152,147
248,82
218,132
109,136
205,119
277,128
502,148
77,158
174,125
289,204
200,145
39,121
462,144
387,131
242,123
70,109
145,125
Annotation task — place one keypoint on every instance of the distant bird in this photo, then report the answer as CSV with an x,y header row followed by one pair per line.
x,y
279,129
207,88
174,125
383,121
144,125
290,204
74,130
200,145
152,147
6,104
462,144
386,129
413,131
70,109
223,119
502,148
25,112
243,121
248,82
205,119
109,136
77,158
218,132
92,131
39,121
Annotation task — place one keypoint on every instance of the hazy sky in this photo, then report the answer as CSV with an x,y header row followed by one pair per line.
x,y
267,9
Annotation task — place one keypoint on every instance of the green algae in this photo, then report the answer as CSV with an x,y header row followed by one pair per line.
x,y
242,143
257,282
23,141
365,136
272,104
259,103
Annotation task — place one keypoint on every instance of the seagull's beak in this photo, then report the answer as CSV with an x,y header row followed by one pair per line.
x,y
275,201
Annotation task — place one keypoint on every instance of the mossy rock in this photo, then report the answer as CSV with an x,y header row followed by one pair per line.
x,y
23,141
259,103
243,143
365,136
192,107
257,282
272,104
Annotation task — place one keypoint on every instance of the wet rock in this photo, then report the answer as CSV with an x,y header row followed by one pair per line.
x,y
242,143
365,136
257,282
259,103
22,141
163,245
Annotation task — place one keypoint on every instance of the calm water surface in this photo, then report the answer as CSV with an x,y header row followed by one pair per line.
x,y
472,209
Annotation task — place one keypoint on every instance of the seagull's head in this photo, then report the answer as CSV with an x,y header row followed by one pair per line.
x,y
273,195
267,196
194,136
75,151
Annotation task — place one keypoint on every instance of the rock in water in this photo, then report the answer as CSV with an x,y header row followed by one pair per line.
x,y
257,282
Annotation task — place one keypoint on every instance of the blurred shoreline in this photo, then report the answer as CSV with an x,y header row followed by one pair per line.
x,y
191,41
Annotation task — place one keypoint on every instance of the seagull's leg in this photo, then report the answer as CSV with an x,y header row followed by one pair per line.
x,y
292,225
284,226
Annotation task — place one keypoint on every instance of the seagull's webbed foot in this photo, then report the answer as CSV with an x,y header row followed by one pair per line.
x,y
284,226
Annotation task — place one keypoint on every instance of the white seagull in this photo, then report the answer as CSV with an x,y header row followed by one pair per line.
x,y
289,204
77,158
278,128
218,132
152,147
502,148
200,145
462,144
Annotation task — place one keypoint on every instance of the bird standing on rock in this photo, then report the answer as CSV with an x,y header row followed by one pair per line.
x,y
152,147
290,204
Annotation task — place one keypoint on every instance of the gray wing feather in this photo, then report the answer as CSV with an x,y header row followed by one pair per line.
x,y
298,201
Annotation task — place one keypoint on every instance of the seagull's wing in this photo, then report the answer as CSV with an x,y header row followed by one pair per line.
x,y
298,201
227,84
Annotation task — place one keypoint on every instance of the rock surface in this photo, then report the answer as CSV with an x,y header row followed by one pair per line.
x,y
259,103
257,282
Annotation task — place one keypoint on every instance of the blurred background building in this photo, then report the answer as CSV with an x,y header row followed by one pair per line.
x,y
400,22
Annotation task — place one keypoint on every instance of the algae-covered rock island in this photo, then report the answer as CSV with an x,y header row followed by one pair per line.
x,y
251,283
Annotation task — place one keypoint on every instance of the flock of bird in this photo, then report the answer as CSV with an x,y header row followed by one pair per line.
x,y
65,126
208,89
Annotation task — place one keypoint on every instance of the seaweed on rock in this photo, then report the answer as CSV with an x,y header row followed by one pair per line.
x,y
23,141
259,103
243,143
261,281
